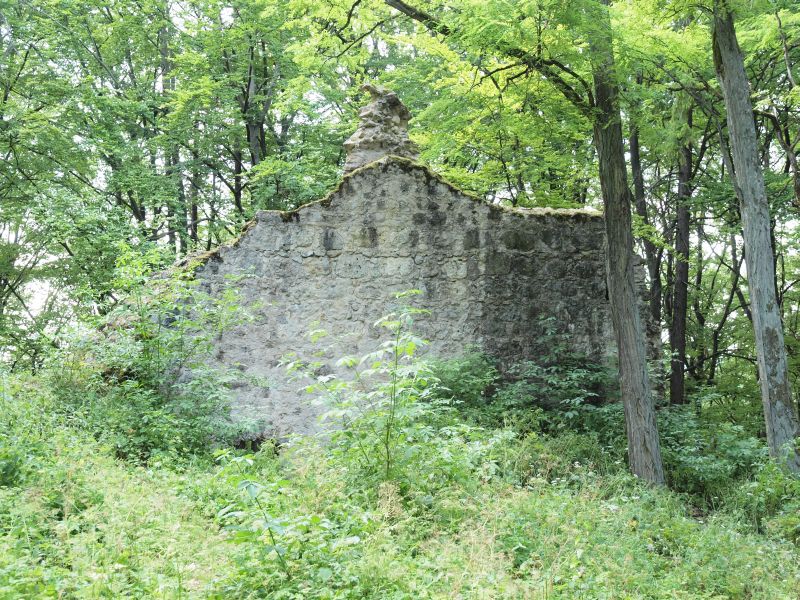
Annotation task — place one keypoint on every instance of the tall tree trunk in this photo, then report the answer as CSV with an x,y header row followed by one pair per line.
x,y
680,294
701,352
176,209
171,227
237,182
736,266
653,256
644,451
776,393
181,225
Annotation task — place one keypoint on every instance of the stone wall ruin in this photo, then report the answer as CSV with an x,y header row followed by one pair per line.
x,y
488,275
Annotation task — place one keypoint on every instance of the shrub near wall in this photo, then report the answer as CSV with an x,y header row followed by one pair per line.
x,y
126,375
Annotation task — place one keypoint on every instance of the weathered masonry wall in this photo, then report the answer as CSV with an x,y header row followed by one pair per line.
x,y
488,275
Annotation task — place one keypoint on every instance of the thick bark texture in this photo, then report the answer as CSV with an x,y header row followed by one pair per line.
x,y
776,392
644,451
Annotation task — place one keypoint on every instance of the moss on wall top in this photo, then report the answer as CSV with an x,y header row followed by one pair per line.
x,y
194,261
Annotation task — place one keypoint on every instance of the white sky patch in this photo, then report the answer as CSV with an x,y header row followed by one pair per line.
x,y
226,16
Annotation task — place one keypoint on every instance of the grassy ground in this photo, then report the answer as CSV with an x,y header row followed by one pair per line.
x,y
475,514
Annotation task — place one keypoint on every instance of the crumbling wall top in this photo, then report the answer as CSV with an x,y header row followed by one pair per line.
x,y
383,130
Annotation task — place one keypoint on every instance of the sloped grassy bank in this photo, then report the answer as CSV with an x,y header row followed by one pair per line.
x,y
467,513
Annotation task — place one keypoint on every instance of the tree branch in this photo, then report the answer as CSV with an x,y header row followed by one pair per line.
x,y
547,68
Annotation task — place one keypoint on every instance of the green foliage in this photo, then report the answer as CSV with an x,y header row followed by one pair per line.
x,y
560,380
390,421
707,458
770,501
75,522
468,379
374,411
122,122
567,386
480,513
140,380
326,520
22,435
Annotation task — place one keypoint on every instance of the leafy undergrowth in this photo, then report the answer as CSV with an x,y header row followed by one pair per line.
x,y
75,522
468,513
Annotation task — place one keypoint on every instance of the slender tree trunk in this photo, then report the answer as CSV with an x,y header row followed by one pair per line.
x,y
653,258
680,295
776,392
176,209
194,212
726,312
237,182
650,251
644,451
212,209
181,225
782,133
253,137
669,236
171,227
699,314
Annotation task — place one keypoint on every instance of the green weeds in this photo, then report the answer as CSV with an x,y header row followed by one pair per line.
x,y
423,490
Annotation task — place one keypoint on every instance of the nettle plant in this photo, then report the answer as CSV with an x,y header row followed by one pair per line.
x,y
139,376
391,438
377,411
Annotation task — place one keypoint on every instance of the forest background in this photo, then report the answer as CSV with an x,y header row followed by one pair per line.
x,y
172,123
136,132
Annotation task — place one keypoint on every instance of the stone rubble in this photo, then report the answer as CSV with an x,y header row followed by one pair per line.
x,y
383,131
